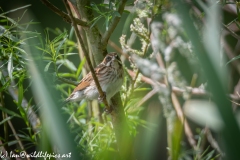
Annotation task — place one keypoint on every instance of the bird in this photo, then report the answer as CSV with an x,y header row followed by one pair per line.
x,y
110,75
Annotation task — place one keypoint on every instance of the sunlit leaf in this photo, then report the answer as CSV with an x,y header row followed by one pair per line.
x,y
68,64
47,66
67,54
61,44
59,37
19,49
10,66
80,66
204,113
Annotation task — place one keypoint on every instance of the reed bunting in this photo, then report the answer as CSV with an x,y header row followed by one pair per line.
x,y
110,76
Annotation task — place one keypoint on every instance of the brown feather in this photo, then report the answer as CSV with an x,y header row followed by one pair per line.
x,y
85,82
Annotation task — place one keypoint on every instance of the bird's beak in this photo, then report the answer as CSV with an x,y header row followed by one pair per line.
x,y
116,59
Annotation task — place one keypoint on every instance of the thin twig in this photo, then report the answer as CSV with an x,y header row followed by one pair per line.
x,y
102,95
63,14
17,138
179,91
115,21
212,141
5,127
147,96
3,150
137,73
16,9
31,115
231,32
5,116
187,128
118,49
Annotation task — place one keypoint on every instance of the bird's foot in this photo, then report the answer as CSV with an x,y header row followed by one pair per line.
x,y
101,98
108,111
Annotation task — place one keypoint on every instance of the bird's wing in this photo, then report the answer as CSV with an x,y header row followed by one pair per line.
x,y
85,82
88,79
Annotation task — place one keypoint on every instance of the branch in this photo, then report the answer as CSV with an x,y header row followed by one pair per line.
x,y
179,91
87,56
231,32
17,137
32,117
115,21
212,141
63,14
187,128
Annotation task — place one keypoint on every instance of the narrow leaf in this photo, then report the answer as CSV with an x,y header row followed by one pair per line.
x,y
67,54
20,93
233,59
47,66
21,50
60,45
5,120
10,66
63,35
80,67
9,112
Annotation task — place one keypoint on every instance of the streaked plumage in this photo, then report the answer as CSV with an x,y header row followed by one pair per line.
x,y
110,75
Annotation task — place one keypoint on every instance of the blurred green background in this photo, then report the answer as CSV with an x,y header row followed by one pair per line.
x,y
156,127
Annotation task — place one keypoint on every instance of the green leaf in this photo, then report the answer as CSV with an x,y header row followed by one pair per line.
x,y
67,54
95,20
9,112
47,66
238,10
60,45
20,92
44,50
117,14
56,39
80,67
21,50
5,84
143,89
176,138
10,66
5,120
233,59
68,64
16,9
24,115
59,66
66,75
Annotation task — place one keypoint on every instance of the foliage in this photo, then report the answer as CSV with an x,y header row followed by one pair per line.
x,y
164,108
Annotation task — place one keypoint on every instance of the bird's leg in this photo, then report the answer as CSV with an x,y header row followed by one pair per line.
x,y
101,98
108,111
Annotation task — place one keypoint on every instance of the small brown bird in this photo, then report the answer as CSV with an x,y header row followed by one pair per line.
x,y
110,76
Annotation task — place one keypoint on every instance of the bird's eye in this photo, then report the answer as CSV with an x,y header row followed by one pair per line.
x,y
108,59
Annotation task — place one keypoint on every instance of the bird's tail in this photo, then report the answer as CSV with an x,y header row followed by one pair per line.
x,y
65,102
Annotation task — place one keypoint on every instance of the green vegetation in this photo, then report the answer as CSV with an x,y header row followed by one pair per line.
x,y
178,100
